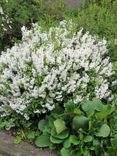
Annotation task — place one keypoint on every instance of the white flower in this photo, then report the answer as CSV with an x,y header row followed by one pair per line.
x,y
1,10
46,69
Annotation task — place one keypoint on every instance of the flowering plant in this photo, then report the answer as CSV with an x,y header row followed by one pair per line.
x,y
49,68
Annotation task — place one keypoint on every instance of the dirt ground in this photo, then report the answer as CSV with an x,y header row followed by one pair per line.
x,y
7,148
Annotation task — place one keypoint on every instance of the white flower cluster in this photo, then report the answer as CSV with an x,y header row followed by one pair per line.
x,y
49,68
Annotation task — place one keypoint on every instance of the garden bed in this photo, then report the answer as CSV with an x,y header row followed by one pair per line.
x,y
58,78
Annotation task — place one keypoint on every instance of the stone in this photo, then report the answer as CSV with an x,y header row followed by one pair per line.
x,y
7,148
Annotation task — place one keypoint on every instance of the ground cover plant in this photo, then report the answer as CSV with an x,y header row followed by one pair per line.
x,y
58,84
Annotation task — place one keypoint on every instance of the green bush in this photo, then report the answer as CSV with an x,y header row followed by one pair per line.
x,y
100,18
15,14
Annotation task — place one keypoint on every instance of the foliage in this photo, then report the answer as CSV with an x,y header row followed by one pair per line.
x,y
100,18
14,14
83,133
50,78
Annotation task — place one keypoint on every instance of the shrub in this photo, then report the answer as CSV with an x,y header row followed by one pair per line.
x,y
14,14
49,68
99,17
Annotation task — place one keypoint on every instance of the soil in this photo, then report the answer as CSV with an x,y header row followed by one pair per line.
x,y
7,148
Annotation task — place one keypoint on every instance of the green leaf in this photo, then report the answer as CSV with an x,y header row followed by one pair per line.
x,y
69,106
114,141
55,140
57,110
80,122
66,143
104,112
31,134
98,105
62,135
86,152
90,106
42,124
59,125
101,115
65,152
73,140
77,111
17,140
88,138
104,131
43,141
96,143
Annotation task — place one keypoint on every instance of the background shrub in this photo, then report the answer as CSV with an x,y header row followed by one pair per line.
x,y
15,14
100,17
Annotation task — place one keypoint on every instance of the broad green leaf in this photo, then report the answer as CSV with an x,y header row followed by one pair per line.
x,y
65,152
59,125
88,138
42,124
104,131
66,143
80,122
57,110
73,140
86,152
77,111
43,141
90,106
101,115
69,106
31,135
55,140
107,110
98,105
62,135
96,143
